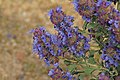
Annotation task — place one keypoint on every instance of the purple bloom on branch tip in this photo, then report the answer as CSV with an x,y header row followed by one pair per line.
x,y
50,12
42,29
31,31
69,76
54,39
86,19
88,7
47,44
39,47
43,37
117,56
48,34
76,6
106,58
59,52
35,49
111,61
80,35
86,46
108,3
118,50
47,62
102,76
81,53
51,51
116,64
59,9
41,56
64,39
110,21
69,35
103,56
99,3
56,65
107,65
51,72
62,24
116,24
73,48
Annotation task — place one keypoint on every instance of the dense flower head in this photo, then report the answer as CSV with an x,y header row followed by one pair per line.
x,y
105,14
84,8
57,16
110,53
71,37
109,18
67,41
70,43
46,44
58,73
115,23
91,8
103,76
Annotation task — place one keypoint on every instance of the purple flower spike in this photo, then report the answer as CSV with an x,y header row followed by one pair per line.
x,y
56,65
51,72
99,2
50,12
59,9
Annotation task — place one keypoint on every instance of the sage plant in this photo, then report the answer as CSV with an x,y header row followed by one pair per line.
x,y
74,46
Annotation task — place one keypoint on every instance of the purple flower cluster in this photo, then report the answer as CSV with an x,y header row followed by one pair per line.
x,y
114,24
58,73
84,8
44,44
110,53
103,76
67,41
70,41
70,37
107,16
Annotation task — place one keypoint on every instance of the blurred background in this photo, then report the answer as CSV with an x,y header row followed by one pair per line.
x,y
17,18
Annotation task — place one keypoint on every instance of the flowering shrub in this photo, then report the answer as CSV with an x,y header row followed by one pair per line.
x,y
76,47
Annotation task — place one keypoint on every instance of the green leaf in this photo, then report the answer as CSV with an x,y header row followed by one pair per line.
x,y
89,70
92,52
118,46
81,77
71,67
118,68
98,34
91,60
82,62
67,62
91,25
85,25
94,18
